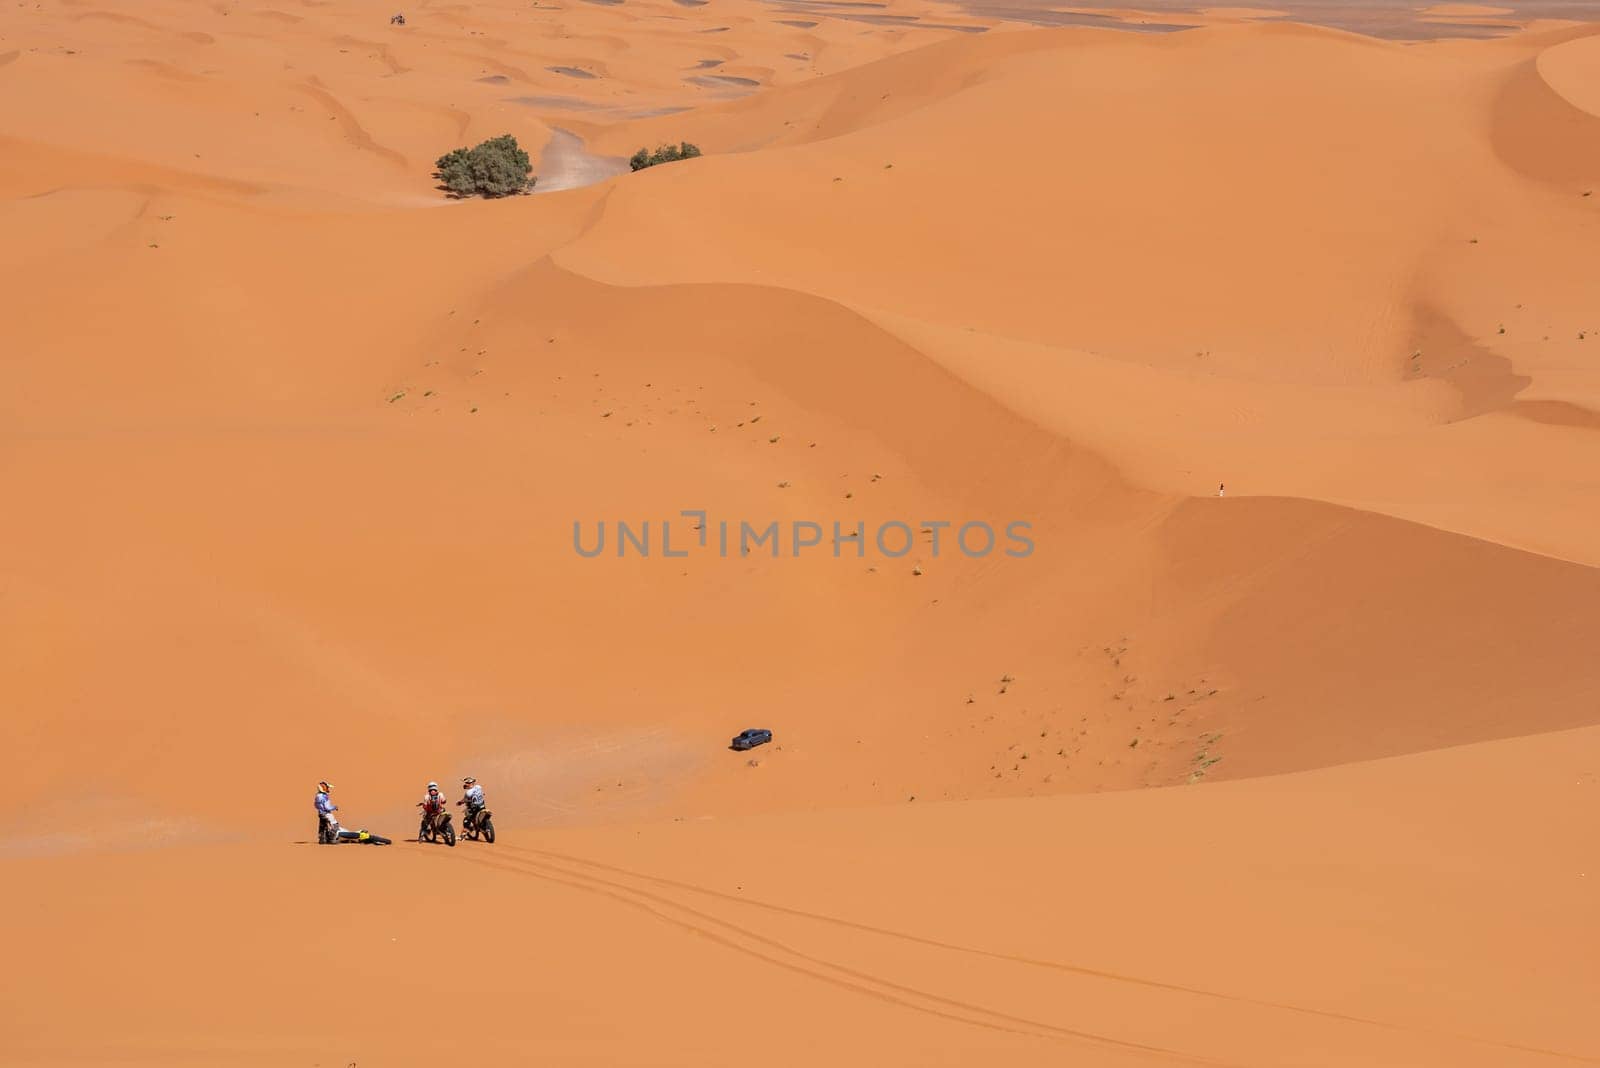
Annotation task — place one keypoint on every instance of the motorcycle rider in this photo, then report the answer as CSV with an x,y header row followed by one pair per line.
x,y
472,799
326,820
432,805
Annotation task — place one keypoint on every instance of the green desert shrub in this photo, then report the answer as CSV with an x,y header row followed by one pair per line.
x,y
496,168
664,154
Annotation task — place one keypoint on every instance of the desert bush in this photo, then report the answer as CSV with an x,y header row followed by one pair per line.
x,y
663,154
496,168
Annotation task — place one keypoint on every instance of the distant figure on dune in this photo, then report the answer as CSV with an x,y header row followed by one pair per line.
x,y
328,830
1219,489
327,822
432,806
473,798
478,822
397,20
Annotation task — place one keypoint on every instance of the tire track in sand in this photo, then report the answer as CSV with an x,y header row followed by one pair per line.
x,y
772,951
1075,969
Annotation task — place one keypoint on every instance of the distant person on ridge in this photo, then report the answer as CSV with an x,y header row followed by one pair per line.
x,y
328,830
478,822
473,798
327,822
432,804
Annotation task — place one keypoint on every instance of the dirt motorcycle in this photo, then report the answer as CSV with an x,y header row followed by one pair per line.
x,y
477,823
436,828
329,833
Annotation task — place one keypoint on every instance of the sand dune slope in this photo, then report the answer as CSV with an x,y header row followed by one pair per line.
x,y
1146,640
297,459
366,507
1391,279
1372,914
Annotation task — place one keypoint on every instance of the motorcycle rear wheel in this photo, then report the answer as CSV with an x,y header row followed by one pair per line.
x,y
486,828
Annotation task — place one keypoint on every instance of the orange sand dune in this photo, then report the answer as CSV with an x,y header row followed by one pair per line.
x,y
294,451
1317,337
1375,913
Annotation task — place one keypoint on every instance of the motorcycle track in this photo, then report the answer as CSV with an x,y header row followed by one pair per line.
x,y
620,885
772,951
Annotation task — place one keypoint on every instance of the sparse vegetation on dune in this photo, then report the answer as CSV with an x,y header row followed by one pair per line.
x,y
663,154
497,167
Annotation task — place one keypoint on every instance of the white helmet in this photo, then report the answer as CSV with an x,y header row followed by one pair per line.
x,y
433,786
